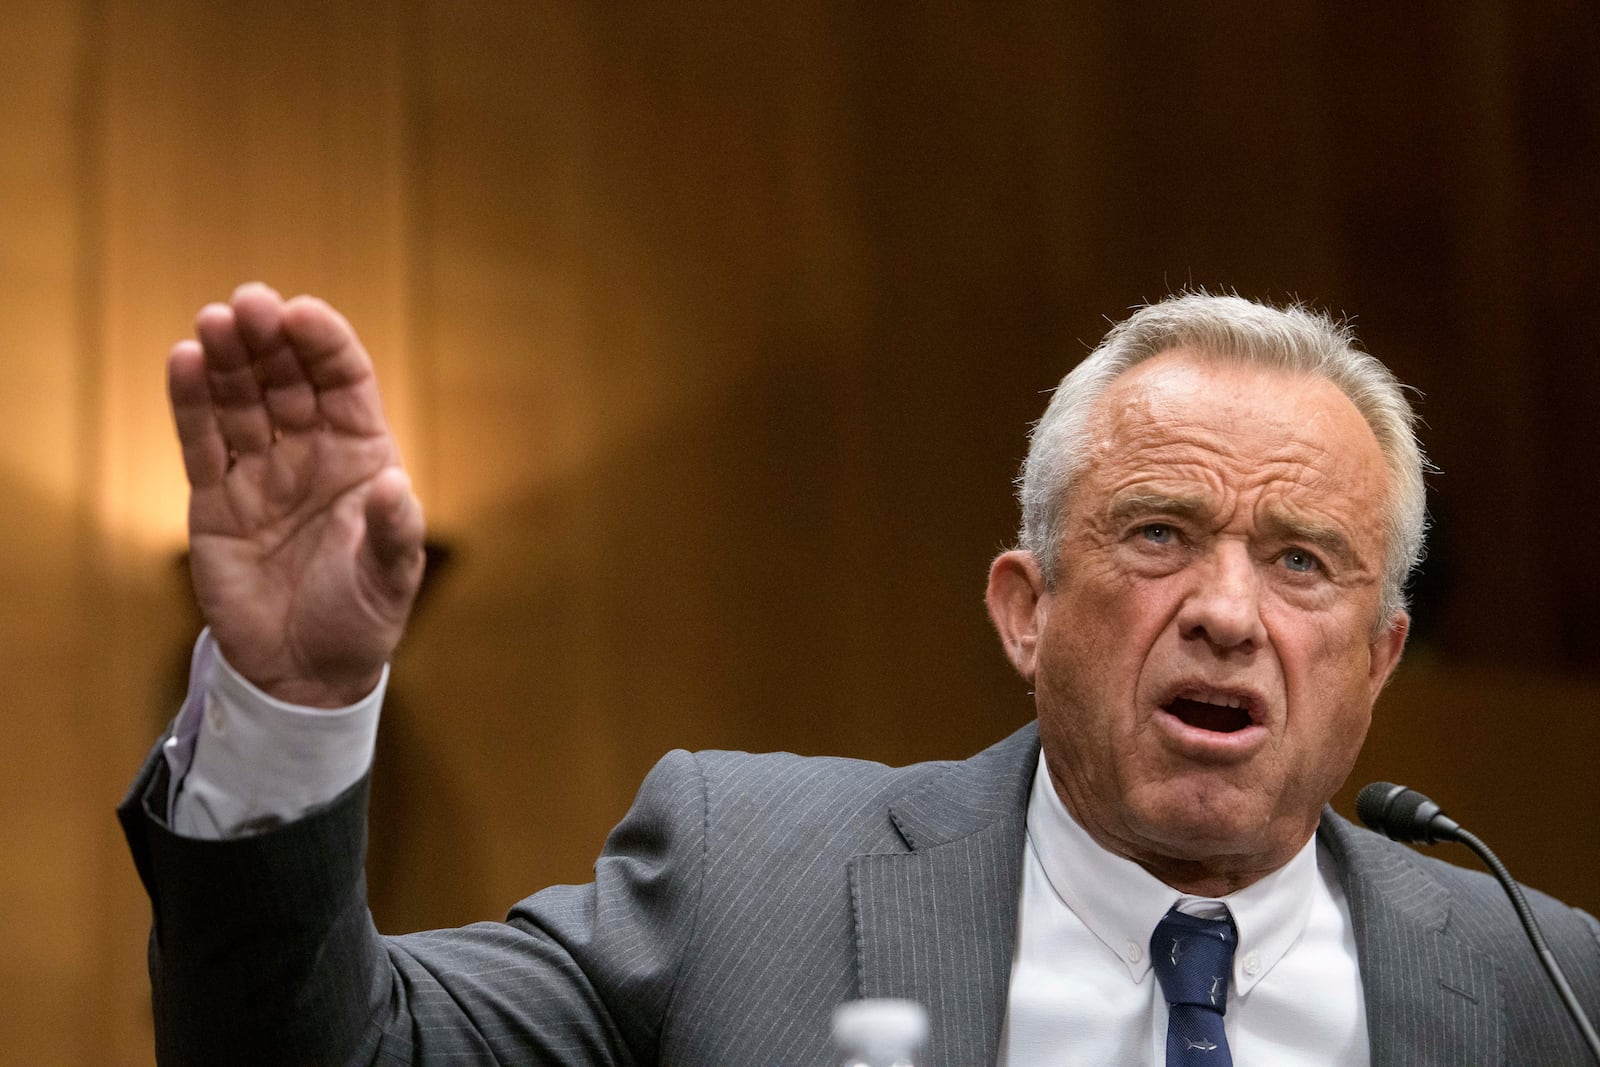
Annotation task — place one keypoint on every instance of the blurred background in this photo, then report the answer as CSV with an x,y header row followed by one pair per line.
x,y
712,332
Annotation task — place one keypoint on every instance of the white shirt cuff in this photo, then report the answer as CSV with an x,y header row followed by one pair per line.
x,y
242,762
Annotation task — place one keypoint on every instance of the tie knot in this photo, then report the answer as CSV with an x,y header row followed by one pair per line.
x,y
1193,959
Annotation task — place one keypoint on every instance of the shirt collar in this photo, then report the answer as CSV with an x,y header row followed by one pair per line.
x,y
1120,902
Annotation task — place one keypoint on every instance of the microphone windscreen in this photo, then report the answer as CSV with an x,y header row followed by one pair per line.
x,y
1404,814
1372,805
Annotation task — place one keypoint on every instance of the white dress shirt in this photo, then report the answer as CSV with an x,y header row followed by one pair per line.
x,y
1082,991
242,762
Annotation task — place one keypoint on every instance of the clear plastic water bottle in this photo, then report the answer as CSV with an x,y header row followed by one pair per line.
x,y
879,1033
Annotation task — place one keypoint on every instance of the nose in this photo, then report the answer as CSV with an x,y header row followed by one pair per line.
x,y
1223,608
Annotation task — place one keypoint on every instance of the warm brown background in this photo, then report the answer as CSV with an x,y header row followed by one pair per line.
x,y
712,332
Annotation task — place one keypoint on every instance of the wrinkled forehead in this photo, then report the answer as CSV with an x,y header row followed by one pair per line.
x,y
1245,416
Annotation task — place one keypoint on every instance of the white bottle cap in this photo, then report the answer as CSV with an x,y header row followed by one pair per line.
x,y
880,1028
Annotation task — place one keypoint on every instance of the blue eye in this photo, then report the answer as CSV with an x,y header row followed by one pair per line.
x,y
1300,561
1158,533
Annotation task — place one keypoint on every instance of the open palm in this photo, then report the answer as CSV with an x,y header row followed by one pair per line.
x,y
305,537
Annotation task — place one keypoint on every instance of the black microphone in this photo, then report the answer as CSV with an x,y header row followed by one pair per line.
x,y
1406,815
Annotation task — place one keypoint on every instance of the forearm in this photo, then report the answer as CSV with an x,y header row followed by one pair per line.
x,y
261,947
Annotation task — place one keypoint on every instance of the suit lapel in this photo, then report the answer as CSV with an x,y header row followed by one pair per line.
x,y
1430,998
937,924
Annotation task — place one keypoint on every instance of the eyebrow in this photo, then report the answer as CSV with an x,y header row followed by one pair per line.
x,y
1138,505
1320,536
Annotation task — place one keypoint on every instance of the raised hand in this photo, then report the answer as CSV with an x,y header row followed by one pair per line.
x,y
305,538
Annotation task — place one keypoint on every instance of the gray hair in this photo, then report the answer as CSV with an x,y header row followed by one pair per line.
x,y
1293,338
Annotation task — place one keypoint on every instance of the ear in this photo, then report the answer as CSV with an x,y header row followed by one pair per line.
x,y
1384,652
1018,607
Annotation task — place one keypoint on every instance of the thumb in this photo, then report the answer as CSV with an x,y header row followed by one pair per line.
x,y
395,528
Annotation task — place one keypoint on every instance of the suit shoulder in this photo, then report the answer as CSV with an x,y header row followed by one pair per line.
x,y
766,766
1479,910
786,788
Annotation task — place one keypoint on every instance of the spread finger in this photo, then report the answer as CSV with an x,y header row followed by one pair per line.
x,y
231,379
205,454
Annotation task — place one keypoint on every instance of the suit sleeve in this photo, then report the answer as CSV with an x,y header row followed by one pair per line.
x,y
262,950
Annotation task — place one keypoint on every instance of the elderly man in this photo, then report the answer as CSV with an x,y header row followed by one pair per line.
x,y
1220,509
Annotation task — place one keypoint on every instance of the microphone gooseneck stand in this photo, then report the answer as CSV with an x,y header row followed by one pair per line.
x,y
1406,815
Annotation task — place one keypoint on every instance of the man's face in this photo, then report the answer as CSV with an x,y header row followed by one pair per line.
x,y
1205,666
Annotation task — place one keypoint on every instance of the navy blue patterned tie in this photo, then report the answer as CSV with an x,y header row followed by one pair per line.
x,y
1193,960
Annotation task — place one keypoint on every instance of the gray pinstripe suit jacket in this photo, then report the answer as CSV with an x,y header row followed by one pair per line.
x,y
736,904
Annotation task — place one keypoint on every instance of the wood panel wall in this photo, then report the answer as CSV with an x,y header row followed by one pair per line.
x,y
712,333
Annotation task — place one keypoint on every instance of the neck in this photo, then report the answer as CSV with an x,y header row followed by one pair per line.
x,y
1199,879
1184,860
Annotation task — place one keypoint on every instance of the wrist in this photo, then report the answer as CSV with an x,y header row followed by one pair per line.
x,y
308,693
303,692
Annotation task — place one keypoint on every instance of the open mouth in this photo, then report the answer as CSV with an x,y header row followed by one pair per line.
x,y
1219,714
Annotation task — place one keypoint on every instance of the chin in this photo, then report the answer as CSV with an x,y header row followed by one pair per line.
x,y
1199,826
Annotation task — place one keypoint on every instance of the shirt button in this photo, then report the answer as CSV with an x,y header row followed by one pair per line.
x,y
1135,953
215,720
1252,963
